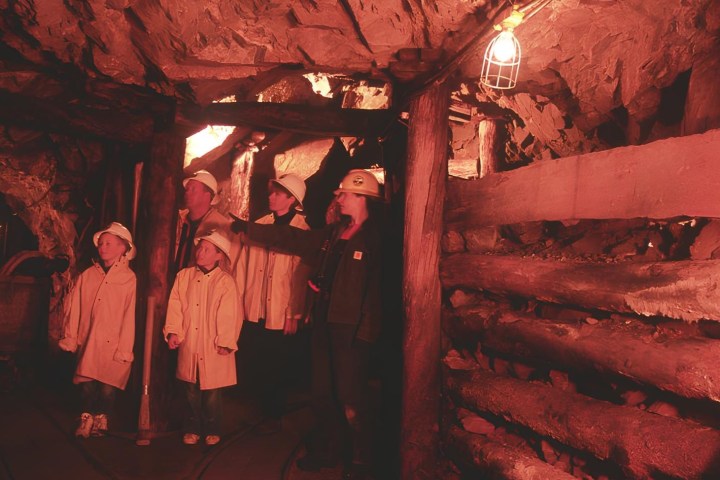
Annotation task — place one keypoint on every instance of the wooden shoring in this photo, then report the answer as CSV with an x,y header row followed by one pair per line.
x,y
685,290
686,366
664,179
426,174
642,444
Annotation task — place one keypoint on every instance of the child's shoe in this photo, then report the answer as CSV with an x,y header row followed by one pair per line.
x,y
191,439
100,425
212,439
86,425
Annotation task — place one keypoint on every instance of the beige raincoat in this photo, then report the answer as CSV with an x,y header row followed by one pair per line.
x,y
100,324
202,312
265,281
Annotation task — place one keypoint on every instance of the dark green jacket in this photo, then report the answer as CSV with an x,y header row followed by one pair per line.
x,y
355,294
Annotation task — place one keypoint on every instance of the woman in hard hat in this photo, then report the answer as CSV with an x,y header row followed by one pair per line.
x,y
346,317
100,326
202,322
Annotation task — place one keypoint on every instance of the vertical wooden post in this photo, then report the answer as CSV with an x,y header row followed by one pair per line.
x,y
156,246
425,177
489,144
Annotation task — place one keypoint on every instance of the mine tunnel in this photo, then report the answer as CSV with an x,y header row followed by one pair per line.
x,y
462,239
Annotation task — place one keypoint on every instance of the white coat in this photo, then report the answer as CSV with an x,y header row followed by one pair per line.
x,y
100,324
202,312
265,281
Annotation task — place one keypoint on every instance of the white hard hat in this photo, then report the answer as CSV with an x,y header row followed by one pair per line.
x,y
360,182
119,230
207,179
217,239
293,184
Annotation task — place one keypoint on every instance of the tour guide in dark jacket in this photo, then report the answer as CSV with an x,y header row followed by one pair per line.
x,y
350,294
346,317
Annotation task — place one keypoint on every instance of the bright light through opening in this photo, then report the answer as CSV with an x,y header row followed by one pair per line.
x,y
205,140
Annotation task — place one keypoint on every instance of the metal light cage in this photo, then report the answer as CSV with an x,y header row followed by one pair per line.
x,y
501,74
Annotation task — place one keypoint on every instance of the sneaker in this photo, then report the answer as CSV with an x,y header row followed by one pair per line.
x,y
191,439
86,424
100,425
212,439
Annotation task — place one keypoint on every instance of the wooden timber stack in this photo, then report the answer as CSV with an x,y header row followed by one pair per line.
x,y
586,351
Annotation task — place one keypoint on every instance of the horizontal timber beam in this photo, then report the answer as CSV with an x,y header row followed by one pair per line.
x,y
664,179
309,120
643,444
496,460
684,366
74,119
685,290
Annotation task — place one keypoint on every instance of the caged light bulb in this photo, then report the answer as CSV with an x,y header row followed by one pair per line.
x,y
504,46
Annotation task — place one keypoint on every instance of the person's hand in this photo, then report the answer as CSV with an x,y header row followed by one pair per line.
x,y
291,326
173,341
238,225
224,350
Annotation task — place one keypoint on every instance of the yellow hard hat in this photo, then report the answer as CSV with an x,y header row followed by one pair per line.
x,y
360,182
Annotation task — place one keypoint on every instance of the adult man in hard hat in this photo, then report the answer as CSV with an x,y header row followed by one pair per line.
x,y
273,297
199,218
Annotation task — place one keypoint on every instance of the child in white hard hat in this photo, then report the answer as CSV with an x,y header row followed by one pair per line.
x,y
100,327
203,323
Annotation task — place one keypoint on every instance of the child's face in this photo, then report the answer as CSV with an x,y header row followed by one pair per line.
x,y
110,248
207,254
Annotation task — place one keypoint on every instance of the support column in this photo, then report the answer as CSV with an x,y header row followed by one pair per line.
x,y
156,245
425,177
489,146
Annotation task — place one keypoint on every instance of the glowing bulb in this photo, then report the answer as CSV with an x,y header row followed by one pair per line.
x,y
504,46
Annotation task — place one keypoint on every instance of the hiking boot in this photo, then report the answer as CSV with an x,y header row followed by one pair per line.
x,y
212,439
86,424
191,439
100,425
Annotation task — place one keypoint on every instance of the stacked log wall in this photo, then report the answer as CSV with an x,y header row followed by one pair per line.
x,y
580,316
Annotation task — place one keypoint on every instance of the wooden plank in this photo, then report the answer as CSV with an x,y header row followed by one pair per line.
x,y
495,460
664,179
686,366
74,119
319,121
425,177
644,445
156,238
684,290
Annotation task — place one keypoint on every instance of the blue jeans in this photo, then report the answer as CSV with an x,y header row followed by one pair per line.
x,y
97,397
203,411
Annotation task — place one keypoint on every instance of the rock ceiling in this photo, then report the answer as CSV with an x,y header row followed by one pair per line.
x,y
586,63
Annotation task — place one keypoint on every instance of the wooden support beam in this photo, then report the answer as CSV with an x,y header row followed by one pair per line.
x,y
684,290
318,121
156,242
495,460
644,445
686,366
425,177
663,179
74,119
490,134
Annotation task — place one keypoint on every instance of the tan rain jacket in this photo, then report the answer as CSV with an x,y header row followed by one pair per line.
x,y
202,312
262,270
100,324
